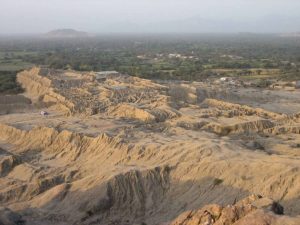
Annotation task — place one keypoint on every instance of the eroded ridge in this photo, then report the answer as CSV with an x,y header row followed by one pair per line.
x,y
124,150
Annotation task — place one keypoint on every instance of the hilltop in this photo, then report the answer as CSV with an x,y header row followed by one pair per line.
x,y
66,33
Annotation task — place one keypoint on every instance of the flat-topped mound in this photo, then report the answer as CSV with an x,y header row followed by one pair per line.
x,y
66,33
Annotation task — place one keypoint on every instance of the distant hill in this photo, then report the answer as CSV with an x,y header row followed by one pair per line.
x,y
66,33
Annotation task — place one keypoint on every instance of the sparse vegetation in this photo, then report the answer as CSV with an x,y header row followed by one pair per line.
x,y
217,181
263,83
179,94
243,177
8,84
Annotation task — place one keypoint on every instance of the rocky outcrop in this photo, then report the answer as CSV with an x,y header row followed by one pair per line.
x,y
253,210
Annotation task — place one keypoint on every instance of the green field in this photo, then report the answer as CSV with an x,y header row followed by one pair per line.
x,y
191,58
11,62
14,61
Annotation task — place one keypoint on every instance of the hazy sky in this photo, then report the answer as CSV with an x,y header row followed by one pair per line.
x,y
37,16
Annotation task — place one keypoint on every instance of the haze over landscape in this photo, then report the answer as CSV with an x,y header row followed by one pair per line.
x,y
158,16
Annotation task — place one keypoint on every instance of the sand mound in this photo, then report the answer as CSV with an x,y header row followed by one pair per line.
x,y
242,109
76,93
131,111
285,130
38,87
164,113
246,127
34,84
64,144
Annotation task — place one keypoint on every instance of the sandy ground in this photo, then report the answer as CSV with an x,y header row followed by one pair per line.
x,y
130,151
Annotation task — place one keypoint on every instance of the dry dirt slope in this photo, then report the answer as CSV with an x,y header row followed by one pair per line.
x,y
167,153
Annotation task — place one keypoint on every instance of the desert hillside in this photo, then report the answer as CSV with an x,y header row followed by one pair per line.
x,y
117,149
